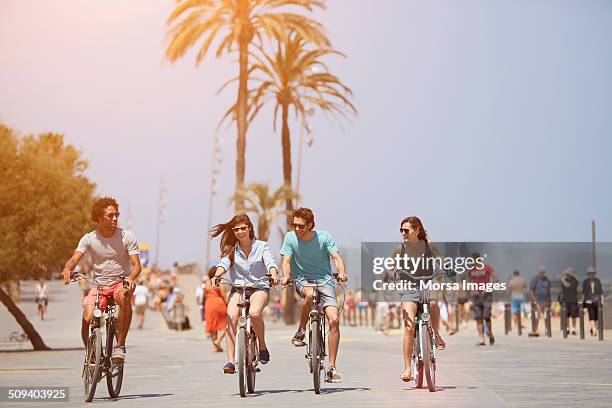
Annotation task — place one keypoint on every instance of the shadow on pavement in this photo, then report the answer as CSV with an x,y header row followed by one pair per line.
x,y
323,391
442,388
131,396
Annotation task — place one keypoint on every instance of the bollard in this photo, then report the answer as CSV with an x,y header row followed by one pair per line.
x,y
548,321
533,333
519,323
564,319
507,318
457,317
600,326
581,319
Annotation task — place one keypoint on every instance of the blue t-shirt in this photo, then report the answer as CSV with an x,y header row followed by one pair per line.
x,y
310,259
541,288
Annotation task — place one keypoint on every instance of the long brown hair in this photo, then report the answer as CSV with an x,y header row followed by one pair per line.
x,y
415,223
228,239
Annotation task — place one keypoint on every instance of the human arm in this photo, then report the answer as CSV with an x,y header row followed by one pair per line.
x,y
70,265
136,269
270,263
339,263
286,269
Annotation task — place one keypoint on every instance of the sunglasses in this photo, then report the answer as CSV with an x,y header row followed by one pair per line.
x,y
111,216
236,229
404,231
299,226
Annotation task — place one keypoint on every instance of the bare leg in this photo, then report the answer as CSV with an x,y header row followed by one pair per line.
x,y
306,307
408,313
232,322
480,330
259,300
334,333
125,316
435,319
87,316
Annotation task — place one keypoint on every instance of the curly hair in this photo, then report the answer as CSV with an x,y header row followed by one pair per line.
x,y
97,210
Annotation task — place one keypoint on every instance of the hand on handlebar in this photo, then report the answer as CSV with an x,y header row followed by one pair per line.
x,y
67,275
341,277
285,280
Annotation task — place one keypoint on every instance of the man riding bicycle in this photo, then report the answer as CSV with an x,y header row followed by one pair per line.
x,y
306,256
115,256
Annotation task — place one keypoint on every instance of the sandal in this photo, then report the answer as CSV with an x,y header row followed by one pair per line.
x,y
440,344
406,378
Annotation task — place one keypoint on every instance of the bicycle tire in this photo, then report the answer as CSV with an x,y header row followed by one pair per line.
x,y
114,375
252,358
417,365
315,351
429,366
241,345
91,375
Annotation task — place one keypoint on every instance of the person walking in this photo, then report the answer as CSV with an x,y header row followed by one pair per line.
x,y
540,296
517,287
200,296
482,301
591,296
215,309
141,300
569,297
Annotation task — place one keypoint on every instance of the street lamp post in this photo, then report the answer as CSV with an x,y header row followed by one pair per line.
x,y
214,184
160,219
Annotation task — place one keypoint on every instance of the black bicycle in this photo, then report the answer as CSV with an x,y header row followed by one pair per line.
x,y
317,331
424,350
98,362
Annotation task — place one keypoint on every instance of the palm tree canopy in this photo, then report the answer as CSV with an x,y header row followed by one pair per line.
x,y
261,201
295,74
194,20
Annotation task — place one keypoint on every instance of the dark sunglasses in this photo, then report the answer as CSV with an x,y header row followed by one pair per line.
x,y
404,231
299,226
236,229
112,215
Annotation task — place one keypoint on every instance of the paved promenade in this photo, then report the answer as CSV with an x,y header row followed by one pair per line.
x,y
178,369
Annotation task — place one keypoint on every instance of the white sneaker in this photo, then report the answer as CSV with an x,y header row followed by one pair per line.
x,y
333,376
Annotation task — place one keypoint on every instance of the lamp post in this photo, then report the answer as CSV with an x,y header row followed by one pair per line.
x,y
160,219
214,185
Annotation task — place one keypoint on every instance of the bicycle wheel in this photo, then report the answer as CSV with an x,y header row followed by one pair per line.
x,y
114,375
429,366
93,364
315,352
241,347
251,363
417,364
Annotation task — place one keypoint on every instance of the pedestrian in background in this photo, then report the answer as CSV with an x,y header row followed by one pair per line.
x,y
141,300
540,296
216,311
569,297
517,287
201,300
591,296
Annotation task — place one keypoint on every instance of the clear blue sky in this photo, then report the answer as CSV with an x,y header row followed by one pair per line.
x,y
489,120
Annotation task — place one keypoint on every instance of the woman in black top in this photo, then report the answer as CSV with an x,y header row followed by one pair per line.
x,y
591,296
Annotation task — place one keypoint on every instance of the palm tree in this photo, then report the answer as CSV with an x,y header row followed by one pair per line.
x,y
296,77
266,205
238,22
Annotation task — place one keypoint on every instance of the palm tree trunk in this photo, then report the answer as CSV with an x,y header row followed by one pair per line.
x,y
286,145
35,339
289,310
241,118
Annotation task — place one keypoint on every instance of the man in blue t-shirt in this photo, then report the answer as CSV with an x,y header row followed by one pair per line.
x,y
306,256
540,295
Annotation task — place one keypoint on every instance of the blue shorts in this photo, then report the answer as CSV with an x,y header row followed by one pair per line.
x,y
517,304
327,294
